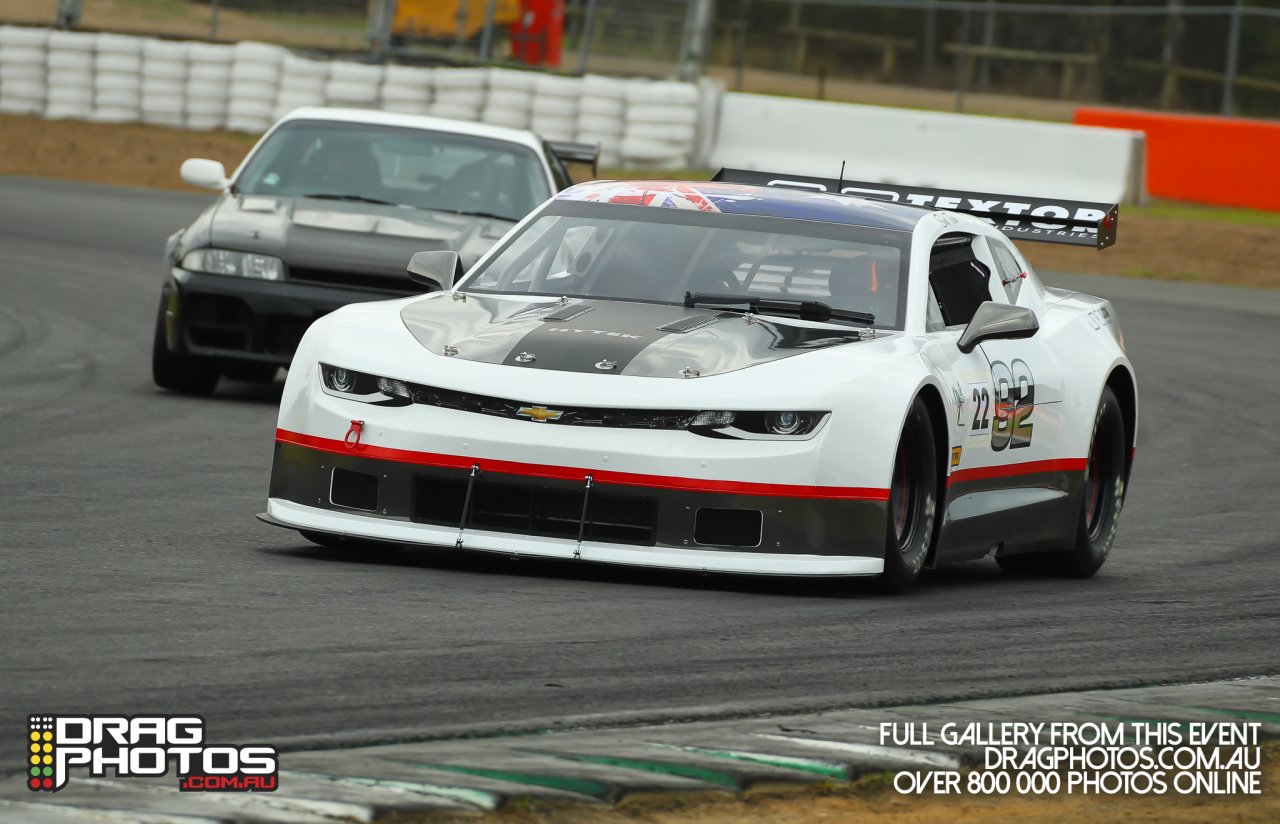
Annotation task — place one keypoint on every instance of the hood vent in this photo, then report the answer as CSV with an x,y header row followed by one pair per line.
x,y
569,312
688,324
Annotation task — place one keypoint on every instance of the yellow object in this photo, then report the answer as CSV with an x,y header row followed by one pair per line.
x,y
438,19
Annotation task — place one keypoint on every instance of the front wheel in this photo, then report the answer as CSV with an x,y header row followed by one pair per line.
x,y
1104,488
179,373
913,493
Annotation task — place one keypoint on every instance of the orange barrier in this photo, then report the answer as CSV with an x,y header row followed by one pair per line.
x,y
1218,160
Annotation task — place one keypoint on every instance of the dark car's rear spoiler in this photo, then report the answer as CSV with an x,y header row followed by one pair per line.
x,y
1075,222
588,153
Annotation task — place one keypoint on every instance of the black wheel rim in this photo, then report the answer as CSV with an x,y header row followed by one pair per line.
x,y
904,498
1098,484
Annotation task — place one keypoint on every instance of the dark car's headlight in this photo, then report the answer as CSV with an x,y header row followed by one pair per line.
x,y
236,264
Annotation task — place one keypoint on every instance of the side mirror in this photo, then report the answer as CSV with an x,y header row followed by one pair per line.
x,y
997,320
207,174
439,270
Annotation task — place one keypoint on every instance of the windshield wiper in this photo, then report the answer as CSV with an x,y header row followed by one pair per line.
x,y
466,213
802,309
355,198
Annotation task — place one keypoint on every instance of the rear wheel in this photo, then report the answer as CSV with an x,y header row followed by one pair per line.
x,y
1103,494
913,493
179,373
252,372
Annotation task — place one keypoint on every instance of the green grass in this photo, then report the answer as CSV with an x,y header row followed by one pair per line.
x,y
1152,274
1195,211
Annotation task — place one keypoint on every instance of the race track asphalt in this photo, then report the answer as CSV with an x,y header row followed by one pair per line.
x,y
135,579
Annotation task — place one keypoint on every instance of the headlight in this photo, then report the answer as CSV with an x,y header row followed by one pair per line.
x,y
783,424
359,386
236,264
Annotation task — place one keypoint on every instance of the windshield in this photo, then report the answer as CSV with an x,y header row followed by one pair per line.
x,y
405,167
643,253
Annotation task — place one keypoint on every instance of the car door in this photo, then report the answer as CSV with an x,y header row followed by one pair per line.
x,y
1003,431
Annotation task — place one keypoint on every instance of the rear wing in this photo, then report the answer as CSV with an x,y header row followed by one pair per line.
x,y
568,152
1074,222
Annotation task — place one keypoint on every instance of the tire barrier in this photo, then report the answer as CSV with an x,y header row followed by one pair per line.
x,y
247,86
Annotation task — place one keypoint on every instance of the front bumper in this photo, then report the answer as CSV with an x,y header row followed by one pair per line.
x,y
557,512
243,319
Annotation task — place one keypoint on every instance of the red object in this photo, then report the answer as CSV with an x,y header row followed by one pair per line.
x,y
1203,159
536,38
599,476
352,439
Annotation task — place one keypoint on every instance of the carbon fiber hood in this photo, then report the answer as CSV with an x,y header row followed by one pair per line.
x,y
607,337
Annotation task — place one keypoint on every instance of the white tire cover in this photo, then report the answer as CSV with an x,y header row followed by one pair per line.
x,y
255,71
295,66
114,114
399,96
680,134
462,98
72,41
508,80
70,94
207,106
649,113
350,92
118,44
639,92
160,86
634,148
164,70
21,71
163,119
600,124
249,125
66,59
111,99
507,99
250,108
210,53
344,71
154,49
551,85
452,112
611,142
207,88
20,105
411,76
606,106
124,63
204,122
593,85
69,77
244,90
403,107
562,107
112,81
163,102
213,72
508,118
23,55
259,52
22,36
295,100
474,79
67,111
31,89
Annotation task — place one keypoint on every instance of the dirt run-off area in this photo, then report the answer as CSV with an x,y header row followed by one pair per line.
x,y
1167,241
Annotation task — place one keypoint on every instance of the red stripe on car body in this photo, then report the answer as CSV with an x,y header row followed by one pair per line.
x,y
568,473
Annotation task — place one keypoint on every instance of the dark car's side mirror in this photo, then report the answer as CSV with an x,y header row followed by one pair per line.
x,y
997,320
439,270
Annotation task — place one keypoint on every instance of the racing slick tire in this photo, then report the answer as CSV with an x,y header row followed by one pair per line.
x,y
179,373
1104,488
250,372
913,498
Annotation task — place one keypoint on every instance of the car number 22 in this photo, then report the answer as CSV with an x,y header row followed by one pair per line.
x,y
1007,415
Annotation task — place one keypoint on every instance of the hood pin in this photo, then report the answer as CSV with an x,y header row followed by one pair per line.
x,y
690,372
606,365
526,357
450,350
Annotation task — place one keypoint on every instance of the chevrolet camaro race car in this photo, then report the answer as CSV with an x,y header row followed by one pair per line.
x,y
749,375
326,210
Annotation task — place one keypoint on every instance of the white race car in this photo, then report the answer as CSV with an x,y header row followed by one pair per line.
x,y
749,375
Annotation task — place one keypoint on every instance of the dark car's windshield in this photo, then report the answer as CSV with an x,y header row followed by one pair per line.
x,y
388,164
660,255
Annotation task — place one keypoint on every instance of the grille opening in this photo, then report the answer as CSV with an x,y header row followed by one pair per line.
x,y
728,527
354,490
531,509
284,333
218,322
